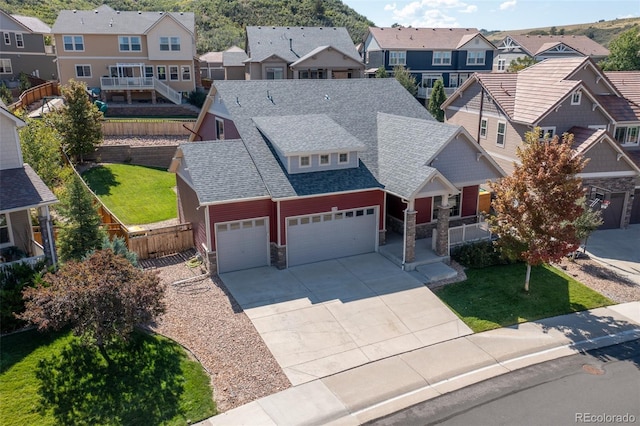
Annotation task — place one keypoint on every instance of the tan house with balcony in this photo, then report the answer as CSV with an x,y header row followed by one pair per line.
x,y
128,56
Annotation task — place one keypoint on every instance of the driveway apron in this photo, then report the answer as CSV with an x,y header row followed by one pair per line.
x,y
323,318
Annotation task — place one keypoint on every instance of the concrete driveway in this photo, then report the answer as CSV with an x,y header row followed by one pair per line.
x,y
619,250
323,318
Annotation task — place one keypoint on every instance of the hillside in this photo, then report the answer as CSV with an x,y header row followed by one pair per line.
x,y
602,32
220,23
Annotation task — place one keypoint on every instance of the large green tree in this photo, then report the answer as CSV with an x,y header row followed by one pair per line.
x,y
624,52
79,122
80,232
436,99
102,298
537,205
41,148
406,79
521,63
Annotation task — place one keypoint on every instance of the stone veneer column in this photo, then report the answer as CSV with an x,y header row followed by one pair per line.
x,y
278,256
410,236
442,231
382,238
212,264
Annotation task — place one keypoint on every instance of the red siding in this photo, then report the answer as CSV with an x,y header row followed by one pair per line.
x,y
304,206
243,210
470,200
395,207
208,128
423,207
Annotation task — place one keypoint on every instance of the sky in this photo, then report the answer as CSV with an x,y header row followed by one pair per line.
x,y
493,14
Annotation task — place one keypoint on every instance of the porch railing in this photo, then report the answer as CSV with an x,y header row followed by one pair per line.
x,y
166,91
468,233
38,255
148,83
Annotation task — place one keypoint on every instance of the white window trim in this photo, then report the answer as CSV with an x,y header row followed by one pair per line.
x,y
19,44
485,127
546,130
476,56
177,73
434,207
442,63
400,57
504,135
303,166
7,39
182,68
221,121
166,73
328,163
502,65
9,232
152,71
73,42
280,68
637,141
579,97
75,67
343,162
129,43
6,61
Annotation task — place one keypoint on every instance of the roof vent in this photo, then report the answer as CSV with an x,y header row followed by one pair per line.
x,y
139,12
74,11
326,97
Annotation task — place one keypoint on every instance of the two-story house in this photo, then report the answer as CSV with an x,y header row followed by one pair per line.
x,y
300,171
128,56
566,95
25,47
21,193
301,53
541,47
448,54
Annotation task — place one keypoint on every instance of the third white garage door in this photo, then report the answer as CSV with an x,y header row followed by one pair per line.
x,y
331,235
242,245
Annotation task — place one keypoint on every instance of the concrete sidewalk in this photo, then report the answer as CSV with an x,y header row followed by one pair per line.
x,y
385,386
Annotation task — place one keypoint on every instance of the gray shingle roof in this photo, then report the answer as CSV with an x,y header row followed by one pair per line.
x,y
234,57
225,171
292,43
352,103
22,188
538,44
34,24
105,20
313,133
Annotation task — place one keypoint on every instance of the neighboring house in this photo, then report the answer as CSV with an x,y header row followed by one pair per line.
x,y
568,95
448,54
21,192
227,65
301,53
128,56
24,47
294,172
541,47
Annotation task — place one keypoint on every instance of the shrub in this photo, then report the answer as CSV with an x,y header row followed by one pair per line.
x,y
197,97
13,279
478,255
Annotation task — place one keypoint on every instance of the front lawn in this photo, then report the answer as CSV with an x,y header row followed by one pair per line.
x,y
494,297
135,194
50,379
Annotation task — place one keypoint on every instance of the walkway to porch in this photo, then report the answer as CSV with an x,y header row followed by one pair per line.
x,y
428,266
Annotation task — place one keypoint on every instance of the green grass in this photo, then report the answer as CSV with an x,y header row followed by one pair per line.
x,y
135,194
50,379
494,297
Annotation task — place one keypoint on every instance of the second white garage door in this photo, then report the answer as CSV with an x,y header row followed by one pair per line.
x,y
331,235
242,245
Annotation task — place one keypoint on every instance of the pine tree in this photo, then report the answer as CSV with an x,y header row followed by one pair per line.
x,y
536,206
81,232
406,79
436,99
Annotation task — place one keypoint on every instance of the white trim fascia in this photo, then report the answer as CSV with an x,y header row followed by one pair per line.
x,y
110,58
327,194
31,206
503,157
207,220
240,200
608,174
438,175
279,230
477,112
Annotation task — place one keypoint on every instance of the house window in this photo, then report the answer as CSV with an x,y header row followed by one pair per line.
x,y
186,73
454,206
547,133
148,72
453,80
175,44
305,161
274,73
429,79
19,40
324,159
83,71
7,38
483,128
311,74
170,44
343,158
162,72
397,57
73,43
173,73
502,65
5,236
129,44
475,58
627,135
442,58
5,66
219,128
502,128
576,97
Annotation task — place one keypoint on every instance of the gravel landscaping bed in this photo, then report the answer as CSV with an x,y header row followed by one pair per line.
x,y
203,317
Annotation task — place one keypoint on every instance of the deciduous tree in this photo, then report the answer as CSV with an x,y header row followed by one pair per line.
x,y
406,79
79,121
536,206
587,222
102,298
41,144
624,52
436,99
521,63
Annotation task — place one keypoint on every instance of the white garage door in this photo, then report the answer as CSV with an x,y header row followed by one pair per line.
x,y
242,245
331,235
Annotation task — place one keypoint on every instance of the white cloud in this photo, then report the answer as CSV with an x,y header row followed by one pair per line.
x,y
390,6
429,13
508,5
470,9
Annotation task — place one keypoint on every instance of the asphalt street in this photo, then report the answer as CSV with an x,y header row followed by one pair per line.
x,y
596,387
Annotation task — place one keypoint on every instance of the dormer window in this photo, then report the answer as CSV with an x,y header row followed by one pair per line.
x,y
576,97
343,158
324,159
305,161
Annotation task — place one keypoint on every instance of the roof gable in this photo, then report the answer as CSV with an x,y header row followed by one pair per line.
x,y
322,53
426,38
535,45
598,146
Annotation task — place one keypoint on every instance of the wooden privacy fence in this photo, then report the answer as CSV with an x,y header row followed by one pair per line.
x,y
34,94
148,127
160,242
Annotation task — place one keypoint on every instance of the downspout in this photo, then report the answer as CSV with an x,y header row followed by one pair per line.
x,y
480,114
